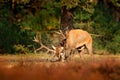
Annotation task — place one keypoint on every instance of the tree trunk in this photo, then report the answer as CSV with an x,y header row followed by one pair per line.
x,y
66,20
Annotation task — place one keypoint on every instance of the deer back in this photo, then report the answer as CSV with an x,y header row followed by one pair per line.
x,y
77,38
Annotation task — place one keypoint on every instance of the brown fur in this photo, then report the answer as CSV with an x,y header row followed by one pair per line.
x,y
78,38
58,50
75,39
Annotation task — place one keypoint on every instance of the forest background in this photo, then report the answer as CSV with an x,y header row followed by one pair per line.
x,y
21,20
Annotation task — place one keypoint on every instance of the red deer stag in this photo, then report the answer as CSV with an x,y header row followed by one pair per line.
x,y
76,39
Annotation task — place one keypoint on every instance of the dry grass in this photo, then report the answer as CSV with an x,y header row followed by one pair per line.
x,y
28,68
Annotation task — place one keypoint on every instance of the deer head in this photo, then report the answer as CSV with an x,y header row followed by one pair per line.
x,y
57,51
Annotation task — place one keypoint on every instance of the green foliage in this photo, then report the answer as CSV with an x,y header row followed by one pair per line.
x,y
83,15
8,35
43,19
21,1
115,2
10,32
31,22
69,3
114,45
21,49
105,26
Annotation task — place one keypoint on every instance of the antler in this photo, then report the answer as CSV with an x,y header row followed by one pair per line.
x,y
61,33
38,40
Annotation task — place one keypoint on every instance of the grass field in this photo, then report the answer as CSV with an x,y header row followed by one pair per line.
x,y
38,67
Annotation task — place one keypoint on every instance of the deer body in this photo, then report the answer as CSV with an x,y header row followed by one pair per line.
x,y
78,39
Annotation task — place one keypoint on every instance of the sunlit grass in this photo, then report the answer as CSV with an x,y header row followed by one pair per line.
x,y
43,55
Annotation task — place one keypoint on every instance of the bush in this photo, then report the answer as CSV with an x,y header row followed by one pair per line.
x,y
21,49
9,35
114,45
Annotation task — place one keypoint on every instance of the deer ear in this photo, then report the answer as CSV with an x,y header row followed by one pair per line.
x,y
54,47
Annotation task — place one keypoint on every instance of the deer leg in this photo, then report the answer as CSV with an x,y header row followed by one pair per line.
x,y
81,53
89,50
62,56
68,54
71,54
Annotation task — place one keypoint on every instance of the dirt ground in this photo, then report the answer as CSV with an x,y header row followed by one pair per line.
x,y
38,67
